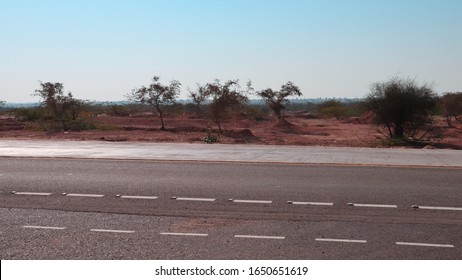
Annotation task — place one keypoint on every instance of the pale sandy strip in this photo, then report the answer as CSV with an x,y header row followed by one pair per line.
x,y
84,195
183,234
33,193
341,240
252,201
196,199
138,197
425,244
259,236
313,203
112,230
440,208
41,227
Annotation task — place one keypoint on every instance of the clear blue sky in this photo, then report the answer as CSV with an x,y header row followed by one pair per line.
x,y
101,49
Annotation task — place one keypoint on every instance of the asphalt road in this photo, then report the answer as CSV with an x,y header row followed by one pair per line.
x,y
119,209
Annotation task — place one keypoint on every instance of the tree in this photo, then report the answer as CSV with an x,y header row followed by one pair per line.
x,y
157,96
401,105
277,99
63,108
199,96
225,98
452,106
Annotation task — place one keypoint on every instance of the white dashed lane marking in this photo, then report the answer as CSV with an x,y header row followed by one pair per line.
x,y
41,227
310,203
112,230
425,244
32,193
439,208
184,234
340,240
373,205
83,195
251,201
137,197
260,237
194,199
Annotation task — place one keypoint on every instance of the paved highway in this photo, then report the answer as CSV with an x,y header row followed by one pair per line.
x,y
122,209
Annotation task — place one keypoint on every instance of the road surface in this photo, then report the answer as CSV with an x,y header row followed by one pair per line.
x,y
132,209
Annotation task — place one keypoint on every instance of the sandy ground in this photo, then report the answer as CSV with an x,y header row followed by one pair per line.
x,y
296,129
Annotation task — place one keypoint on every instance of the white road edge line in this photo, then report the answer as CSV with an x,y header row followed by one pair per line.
x,y
112,230
440,208
340,240
425,244
311,203
375,205
183,234
41,227
84,195
251,201
138,197
260,237
195,199
33,193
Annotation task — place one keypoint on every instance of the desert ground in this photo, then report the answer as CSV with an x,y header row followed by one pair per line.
x,y
298,128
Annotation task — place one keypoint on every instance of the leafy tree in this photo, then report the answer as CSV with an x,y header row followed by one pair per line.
x,y
157,96
401,105
452,106
277,99
199,96
225,98
64,108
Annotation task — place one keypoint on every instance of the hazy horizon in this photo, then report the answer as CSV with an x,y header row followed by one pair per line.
x,y
102,49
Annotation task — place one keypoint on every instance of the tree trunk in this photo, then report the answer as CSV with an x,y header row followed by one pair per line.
x,y
399,131
161,116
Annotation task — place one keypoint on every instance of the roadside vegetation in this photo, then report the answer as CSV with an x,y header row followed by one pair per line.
x,y
402,111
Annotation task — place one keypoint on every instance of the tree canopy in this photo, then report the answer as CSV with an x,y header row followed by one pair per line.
x,y
401,105
277,99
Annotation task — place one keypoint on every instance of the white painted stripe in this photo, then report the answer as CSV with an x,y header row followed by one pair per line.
x,y
84,195
259,237
440,208
40,227
425,244
183,234
32,193
251,201
195,199
312,203
340,240
375,205
112,230
138,197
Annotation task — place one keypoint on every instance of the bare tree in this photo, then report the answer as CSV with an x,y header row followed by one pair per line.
x,y
277,99
225,98
401,105
199,96
157,95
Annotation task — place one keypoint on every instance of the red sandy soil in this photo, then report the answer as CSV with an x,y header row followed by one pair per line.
x,y
298,128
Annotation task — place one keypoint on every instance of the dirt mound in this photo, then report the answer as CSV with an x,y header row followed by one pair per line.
x,y
240,133
8,124
307,116
283,123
